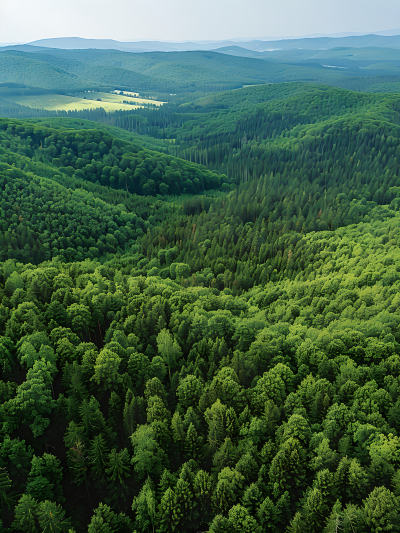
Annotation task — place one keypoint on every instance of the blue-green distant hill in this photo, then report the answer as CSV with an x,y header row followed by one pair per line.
x,y
157,71
313,43
371,58
194,71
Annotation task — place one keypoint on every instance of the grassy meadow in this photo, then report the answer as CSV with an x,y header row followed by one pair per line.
x,y
59,102
118,98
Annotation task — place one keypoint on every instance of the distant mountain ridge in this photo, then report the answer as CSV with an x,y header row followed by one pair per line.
x,y
259,45
345,57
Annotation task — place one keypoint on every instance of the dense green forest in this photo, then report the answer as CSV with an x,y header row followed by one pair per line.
x,y
17,68
173,72
203,336
257,130
76,194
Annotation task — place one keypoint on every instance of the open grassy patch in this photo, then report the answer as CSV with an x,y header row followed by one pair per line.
x,y
118,98
59,102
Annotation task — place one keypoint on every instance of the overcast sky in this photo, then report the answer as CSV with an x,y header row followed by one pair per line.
x,y
177,20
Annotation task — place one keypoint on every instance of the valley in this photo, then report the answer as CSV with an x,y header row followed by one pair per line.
x,y
199,290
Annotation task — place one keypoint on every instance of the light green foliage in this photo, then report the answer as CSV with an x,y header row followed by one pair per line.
x,y
106,368
158,367
228,488
269,387
298,428
179,270
215,417
16,457
189,391
385,449
166,511
287,467
52,518
33,402
203,485
144,505
347,519
193,443
79,317
25,514
148,457
184,500
14,282
44,478
226,455
169,349
28,354
154,387
296,525
105,520
382,510
239,521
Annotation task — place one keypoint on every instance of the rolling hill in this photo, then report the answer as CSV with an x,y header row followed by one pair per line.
x,y
315,135
180,72
31,71
74,167
387,59
167,74
164,72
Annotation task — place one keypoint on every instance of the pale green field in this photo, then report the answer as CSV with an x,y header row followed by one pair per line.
x,y
59,102
116,98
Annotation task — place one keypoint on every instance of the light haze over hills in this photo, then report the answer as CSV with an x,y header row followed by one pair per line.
x,y
390,39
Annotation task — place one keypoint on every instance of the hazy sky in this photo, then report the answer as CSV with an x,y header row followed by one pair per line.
x,y
27,20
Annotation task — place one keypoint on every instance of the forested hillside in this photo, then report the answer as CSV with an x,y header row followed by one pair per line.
x,y
313,131
19,68
171,73
184,350
75,194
